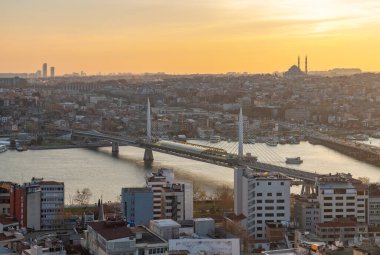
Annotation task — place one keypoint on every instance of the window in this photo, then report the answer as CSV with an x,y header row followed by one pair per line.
x,y
269,201
269,208
327,204
259,194
328,198
280,201
282,183
280,207
269,183
269,215
339,198
279,194
350,198
269,194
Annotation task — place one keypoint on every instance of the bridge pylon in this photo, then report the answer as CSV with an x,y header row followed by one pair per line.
x,y
115,148
148,154
241,135
307,189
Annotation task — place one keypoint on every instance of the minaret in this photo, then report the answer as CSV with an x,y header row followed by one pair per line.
x,y
299,66
306,64
241,135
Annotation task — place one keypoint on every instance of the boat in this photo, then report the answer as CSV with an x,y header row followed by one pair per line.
x,y
3,148
282,141
361,137
271,142
215,139
294,161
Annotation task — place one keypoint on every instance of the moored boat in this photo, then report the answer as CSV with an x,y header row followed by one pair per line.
x,y
215,139
294,161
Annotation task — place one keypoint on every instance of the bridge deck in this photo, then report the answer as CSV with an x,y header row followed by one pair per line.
x,y
225,160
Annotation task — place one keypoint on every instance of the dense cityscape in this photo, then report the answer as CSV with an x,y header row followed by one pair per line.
x,y
207,118
193,127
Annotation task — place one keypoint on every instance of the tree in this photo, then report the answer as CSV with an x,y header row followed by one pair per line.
x,y
364,180
82,197
224,196
198,193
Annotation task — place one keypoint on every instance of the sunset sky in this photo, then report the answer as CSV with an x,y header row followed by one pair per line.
x,y
188,36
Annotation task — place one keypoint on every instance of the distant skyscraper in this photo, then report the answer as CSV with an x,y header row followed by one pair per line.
x,y
52,72
44,70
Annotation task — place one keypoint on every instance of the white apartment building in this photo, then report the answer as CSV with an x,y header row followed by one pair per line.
x,y
52,203
341,196
171,200
261,198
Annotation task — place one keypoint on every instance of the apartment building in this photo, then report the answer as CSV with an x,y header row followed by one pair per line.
x,y
341,196
38,205
171,200
261,198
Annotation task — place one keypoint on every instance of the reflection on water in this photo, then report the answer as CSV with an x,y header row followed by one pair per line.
x,y
106,175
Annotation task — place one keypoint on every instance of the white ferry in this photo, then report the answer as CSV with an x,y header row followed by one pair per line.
x,y
3,148
294,161
215,139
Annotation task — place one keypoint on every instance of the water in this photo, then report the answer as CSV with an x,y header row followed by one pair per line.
x,y
106,175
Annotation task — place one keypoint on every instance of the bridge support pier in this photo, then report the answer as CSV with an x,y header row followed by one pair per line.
x,y
148,155
115,148
307,189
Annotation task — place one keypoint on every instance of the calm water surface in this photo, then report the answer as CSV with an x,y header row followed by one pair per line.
x,y
106,175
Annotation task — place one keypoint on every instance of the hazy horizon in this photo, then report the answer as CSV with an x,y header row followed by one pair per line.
x,y
188,37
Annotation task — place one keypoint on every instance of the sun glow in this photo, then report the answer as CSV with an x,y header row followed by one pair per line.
x,y
188,35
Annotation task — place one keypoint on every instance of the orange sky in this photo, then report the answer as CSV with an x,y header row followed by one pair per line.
x,y
188,36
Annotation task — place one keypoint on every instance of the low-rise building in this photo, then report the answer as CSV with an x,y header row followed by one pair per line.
x,y
108,237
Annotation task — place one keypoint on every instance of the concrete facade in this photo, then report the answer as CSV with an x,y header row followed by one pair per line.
x,y
261,198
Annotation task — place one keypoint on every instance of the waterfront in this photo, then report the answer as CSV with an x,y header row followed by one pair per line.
x,y
106,175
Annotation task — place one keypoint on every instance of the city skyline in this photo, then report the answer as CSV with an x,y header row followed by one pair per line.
x,y
188,37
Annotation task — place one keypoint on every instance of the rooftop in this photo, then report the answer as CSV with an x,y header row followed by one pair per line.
x,y
112,230
146,236
166,223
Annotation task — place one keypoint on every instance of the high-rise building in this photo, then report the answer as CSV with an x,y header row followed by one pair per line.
x,y
137,205
171,200
52,72
44,71
341,196
260,198
52,203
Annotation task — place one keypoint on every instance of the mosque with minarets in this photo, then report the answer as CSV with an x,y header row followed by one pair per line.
x,y
295,70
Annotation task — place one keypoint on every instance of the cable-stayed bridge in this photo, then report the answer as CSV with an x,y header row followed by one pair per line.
x,y
224,153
